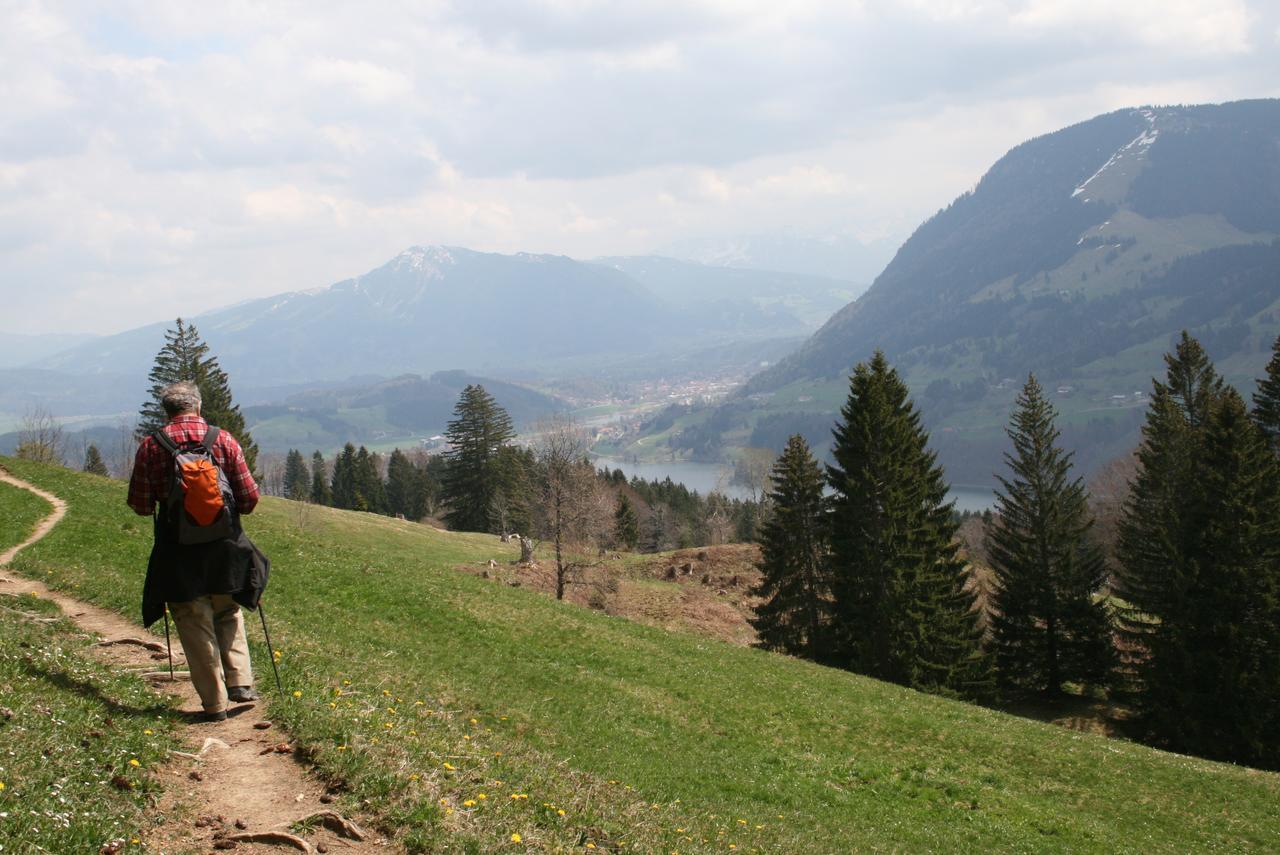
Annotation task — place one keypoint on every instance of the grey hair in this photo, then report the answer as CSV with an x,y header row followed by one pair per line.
x,y
180,397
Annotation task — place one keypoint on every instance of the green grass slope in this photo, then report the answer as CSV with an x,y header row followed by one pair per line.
x,y
77,742
470,716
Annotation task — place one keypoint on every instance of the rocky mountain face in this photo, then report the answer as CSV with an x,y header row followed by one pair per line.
x,y
1078,256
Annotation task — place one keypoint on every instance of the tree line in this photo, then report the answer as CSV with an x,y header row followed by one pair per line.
x,y
860,565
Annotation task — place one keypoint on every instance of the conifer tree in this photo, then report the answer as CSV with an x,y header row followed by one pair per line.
x,y
1161,528
93,463
371,493
403,485
321,494
796,587
1266,401
343,487
901,609
297,480
626,527
478,430
1200,557
1049,626
184,356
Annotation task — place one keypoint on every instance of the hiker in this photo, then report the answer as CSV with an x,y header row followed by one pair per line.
x,y
203,583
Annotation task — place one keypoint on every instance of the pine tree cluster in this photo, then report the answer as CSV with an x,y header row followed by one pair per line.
x,y
860,569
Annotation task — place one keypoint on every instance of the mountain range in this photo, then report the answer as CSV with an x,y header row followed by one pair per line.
x,y
1079,256
434,308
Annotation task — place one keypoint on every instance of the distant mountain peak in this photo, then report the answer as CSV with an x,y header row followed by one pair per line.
x,y
427,259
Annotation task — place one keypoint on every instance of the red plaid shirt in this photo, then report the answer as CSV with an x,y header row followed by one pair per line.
x,y
153,466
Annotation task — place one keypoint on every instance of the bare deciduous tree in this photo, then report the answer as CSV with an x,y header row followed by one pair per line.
x,y
752,472
574,508
40,437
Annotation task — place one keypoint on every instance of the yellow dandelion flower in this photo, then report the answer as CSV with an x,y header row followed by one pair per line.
x,y
147,731
1,785
413,733
417,703
469,803
448,811
473,721
515,838
481,796
679,831
450,767
346,682
342,748
388,725
134,762
742,822
560,812
413,777
497,754
297,694
135,841
337,692
385,693
591,846
332,705
391,710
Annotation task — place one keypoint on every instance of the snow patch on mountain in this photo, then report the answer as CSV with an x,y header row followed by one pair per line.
x,y
1136,150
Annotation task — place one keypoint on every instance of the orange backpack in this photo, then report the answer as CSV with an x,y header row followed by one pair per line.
x,y
200,507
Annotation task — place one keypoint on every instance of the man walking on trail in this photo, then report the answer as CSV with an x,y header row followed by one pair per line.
x,y
202,583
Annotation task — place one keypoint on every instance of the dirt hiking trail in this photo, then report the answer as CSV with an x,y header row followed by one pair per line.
x,y
235,779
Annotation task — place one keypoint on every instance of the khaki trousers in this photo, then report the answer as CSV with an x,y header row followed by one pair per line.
x,y
211,630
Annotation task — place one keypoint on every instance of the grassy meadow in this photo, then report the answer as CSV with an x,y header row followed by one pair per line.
x,y
469,716
76,741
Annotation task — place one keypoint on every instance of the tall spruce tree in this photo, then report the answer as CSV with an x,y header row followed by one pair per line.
x,y
794,617
1049,624
1198,557
404,486
1266,401
478,430
901,608
371,493
93,463
297,480
321,494
626,526
184,356
343,487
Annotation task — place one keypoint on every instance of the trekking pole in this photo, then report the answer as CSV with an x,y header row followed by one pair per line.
x,y
167,645
270,650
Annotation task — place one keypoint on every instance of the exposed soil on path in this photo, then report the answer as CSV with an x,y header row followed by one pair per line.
x,y
236,777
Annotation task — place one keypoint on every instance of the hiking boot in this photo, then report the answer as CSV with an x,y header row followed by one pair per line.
x,y
241,694
211,717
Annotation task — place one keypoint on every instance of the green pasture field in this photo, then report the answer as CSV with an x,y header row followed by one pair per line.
x,y
77,742
19,513
470,716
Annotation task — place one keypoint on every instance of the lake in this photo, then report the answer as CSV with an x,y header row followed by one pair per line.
x,y
706,477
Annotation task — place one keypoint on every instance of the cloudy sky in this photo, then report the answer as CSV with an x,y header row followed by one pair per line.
x,y
161,158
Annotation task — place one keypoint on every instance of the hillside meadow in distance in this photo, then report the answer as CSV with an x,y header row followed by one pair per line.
x,y
659,428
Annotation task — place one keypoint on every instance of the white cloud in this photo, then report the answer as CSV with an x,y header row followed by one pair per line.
x,y
155,160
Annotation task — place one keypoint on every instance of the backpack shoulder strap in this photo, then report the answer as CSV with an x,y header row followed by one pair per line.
x,y
165,441
210,437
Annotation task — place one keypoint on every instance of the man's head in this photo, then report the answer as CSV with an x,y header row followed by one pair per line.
x,y
181,398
